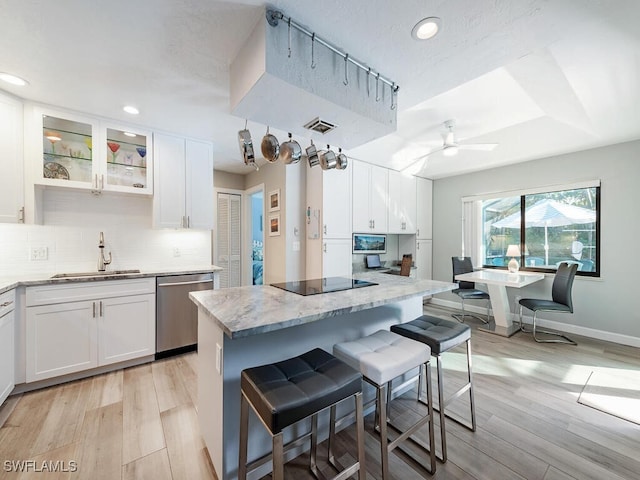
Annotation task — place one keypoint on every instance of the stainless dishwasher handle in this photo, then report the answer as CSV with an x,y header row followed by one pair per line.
x,y
176,284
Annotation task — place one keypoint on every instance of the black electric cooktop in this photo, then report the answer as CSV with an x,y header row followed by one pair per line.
x,y
322,285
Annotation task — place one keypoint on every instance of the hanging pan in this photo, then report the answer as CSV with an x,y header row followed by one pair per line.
x,y
270,147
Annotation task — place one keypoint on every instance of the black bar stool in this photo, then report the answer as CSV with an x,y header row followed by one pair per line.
x,y
381,357
286,392
441,336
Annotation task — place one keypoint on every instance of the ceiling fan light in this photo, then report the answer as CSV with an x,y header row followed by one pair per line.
x,y
426,28
450,150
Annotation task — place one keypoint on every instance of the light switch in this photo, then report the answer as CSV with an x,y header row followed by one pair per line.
x,y
296,246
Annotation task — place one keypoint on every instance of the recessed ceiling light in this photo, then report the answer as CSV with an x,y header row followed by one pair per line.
x,y
13,79
131,109
426,28
129,134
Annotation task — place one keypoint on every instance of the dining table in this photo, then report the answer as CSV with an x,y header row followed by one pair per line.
x,y
497,282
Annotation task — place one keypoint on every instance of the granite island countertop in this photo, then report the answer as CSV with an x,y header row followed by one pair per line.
x,y
252,310
12,281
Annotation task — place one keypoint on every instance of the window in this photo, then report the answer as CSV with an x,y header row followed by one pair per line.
x,y
559,226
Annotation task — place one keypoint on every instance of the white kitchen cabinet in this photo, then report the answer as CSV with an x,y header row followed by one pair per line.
x,y
336,203
402,203
11,180
87,153
61,339
424,259
424,208
71,327
183,177
336,258
370,198
126,328
7,344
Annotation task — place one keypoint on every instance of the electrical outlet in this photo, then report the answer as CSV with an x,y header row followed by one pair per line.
x,y
38,253
176,252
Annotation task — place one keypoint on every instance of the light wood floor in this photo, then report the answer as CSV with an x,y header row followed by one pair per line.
x,y
141,422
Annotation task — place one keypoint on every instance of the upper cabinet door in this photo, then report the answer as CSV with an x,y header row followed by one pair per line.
x,y
402,203
336,203
361,199
129,165
424,208
169,176
379,202
66,155
370,198
11,180
199,185
82,152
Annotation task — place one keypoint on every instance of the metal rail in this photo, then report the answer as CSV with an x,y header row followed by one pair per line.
x,y
273,16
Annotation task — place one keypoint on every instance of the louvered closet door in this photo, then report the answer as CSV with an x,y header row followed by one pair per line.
x,y
229,232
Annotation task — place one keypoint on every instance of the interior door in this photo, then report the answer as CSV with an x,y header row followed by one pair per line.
x,y
229,239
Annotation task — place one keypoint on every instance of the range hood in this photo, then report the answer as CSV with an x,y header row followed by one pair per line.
x,y
271,86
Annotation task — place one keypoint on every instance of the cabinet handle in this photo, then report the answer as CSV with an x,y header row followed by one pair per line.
x,y
188,221
101,182
418,245
324,229
6,304
417,232
324,247
21,215
94,309
101,308
374,223
96,180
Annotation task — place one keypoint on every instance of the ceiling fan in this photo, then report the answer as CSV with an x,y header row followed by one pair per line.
x,y
451,145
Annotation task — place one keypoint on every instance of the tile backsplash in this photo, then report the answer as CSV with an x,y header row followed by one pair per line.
x,y
69,237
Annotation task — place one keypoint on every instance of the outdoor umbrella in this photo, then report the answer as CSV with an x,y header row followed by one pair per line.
x,y
549,213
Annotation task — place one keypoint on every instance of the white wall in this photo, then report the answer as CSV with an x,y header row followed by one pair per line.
x,y
604,307
72,222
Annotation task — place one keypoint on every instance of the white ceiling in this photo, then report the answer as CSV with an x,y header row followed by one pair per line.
x,y
537,77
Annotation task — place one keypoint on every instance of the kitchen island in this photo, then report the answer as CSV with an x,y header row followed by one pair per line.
x,y
247,326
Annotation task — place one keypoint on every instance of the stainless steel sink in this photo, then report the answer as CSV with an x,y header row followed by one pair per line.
x,y
95,274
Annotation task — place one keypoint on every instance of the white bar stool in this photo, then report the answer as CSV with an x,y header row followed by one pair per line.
x,y
381,357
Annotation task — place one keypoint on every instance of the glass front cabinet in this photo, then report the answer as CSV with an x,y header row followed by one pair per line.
x,y
87,153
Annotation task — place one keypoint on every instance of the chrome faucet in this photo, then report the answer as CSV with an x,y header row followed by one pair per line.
x,y
102,262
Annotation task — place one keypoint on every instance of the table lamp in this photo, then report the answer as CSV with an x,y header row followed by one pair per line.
x,y
513,251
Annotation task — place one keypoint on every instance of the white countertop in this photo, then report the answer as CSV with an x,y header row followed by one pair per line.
x,y
13,281
251,310
500,277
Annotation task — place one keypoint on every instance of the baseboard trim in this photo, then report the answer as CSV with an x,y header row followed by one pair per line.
x,y
553,325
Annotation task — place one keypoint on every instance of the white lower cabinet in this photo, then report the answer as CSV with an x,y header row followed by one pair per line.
x,y
126,328
423,259
78,326
61,339
336,258
7,342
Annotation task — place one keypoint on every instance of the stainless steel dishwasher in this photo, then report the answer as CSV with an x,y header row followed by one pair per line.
x,y
176,314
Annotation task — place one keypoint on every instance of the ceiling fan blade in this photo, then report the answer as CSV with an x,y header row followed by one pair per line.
x,y
420,158
484,147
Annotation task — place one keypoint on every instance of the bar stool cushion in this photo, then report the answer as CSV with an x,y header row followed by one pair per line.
x,y
382,356
285,392
439,334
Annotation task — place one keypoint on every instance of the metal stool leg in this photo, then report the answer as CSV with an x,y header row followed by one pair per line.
x,y
443,435
278,457
384,442
313,465
362,472
244,432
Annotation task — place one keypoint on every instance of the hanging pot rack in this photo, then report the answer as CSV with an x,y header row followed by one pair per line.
x,y
273,18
